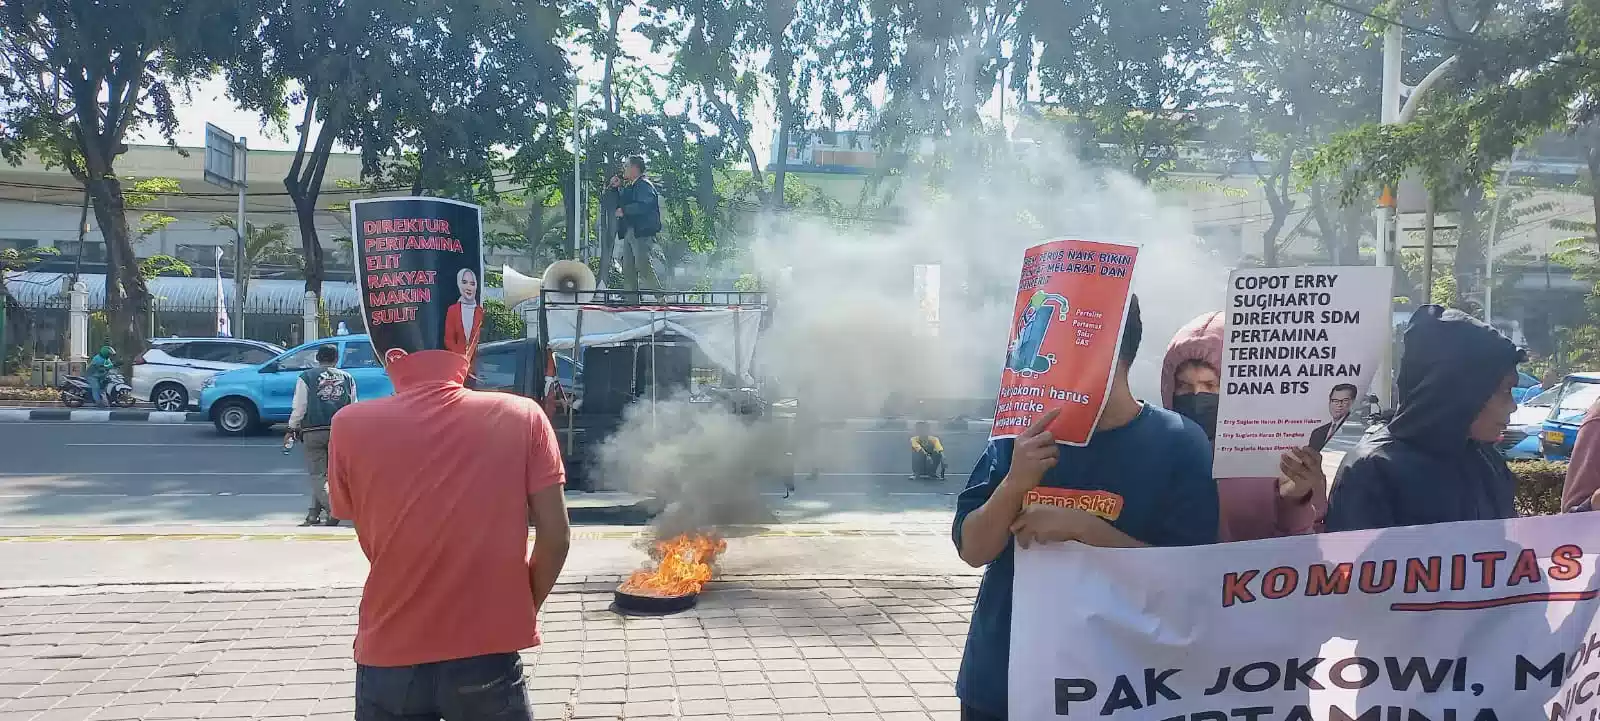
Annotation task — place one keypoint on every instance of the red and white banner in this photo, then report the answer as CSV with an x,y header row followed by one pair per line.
x,y
1482,621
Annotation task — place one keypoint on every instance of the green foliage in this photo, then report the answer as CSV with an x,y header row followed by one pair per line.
x,y
156,265
262,245
748,283
77,77
1539,484
500,322
144,192
12,259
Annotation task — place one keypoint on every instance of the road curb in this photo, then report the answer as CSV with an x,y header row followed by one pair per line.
x,y
20,415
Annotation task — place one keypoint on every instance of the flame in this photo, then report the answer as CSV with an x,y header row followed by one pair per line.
x,y
683,568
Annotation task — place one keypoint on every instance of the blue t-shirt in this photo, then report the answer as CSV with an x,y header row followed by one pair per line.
x,y
1150,478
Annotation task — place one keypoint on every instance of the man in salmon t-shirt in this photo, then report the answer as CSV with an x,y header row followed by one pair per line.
x,y
442,483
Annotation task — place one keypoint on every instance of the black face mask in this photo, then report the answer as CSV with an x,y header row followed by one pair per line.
x,y
1200,408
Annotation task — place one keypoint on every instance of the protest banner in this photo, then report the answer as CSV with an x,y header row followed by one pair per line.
x,y
1300,351
1478,621
1066,326
419,266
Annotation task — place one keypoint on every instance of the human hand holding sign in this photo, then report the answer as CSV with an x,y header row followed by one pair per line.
x,y
1045,523
1034,453
1302,474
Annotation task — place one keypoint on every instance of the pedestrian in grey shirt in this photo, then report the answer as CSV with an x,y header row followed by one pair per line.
x,y
318,394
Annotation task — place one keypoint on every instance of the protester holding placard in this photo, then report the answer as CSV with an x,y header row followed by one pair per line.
x,y
1435,462
1582,487
441,482
1142,479
1251,508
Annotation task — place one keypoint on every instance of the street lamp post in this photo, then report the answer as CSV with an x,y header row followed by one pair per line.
x,y
1391,112
1384,215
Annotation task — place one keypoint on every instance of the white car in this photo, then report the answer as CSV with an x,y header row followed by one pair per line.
x,y
172,372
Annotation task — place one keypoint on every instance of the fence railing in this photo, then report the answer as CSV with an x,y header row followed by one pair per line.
x,y
41,331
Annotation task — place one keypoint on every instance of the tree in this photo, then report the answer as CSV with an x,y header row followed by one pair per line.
x,y
261,245
76,77
1131,74
449,81
1506,75
1292,73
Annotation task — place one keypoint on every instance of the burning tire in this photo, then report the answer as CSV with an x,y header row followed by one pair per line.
x,y
641,604
682,568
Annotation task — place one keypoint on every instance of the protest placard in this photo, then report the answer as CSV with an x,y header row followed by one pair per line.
x,y
419,267
1299,354
1066,326
1478,621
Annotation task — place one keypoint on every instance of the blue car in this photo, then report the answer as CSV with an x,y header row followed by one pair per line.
x,y
250,399
1520,440
1577,393
1527,387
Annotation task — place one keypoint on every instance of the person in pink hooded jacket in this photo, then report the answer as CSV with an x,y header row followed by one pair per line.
x,y
1252,508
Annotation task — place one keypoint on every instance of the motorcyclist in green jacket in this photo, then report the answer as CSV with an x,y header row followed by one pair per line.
x,y
99,367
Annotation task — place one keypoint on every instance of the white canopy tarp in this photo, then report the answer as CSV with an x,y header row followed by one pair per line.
x,y
726,336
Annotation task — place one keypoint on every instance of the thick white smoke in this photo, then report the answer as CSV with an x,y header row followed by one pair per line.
x,y
846,334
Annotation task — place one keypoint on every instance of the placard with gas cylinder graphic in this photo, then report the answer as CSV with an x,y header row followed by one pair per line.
x,y
1066,327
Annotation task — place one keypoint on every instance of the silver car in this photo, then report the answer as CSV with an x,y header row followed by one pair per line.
x,y
171,373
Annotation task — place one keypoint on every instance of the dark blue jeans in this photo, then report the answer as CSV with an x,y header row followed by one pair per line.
x,y
480,688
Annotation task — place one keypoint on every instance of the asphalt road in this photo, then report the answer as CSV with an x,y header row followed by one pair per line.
x,y
66,475
98,475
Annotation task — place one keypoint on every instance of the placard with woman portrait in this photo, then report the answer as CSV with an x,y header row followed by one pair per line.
x,y
419,266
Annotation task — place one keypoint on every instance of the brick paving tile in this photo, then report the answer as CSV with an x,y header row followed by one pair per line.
x,y
754,650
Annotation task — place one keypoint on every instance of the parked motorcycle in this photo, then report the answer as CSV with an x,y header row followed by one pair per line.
x,y
75,391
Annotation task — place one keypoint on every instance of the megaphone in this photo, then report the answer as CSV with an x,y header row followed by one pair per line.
x,y
568,277
518,287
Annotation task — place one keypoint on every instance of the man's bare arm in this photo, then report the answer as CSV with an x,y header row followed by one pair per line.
x,y
987,530
547,511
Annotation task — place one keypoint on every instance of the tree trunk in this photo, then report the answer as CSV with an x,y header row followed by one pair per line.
x,y
1591,155
706,185
127,302
304,184
780,15
311,246
1469,261
780,172
533,233
1276,186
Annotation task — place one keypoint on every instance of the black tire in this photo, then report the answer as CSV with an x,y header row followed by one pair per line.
x,y
170,397
71,401
235,417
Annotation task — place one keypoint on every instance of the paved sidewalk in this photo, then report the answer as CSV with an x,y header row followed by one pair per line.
x,y
757,647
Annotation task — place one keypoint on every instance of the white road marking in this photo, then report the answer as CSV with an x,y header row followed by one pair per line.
x,y
851,475
174,445
152,495
58,475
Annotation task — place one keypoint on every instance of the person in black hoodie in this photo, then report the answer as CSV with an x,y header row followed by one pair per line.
x,y
1435,462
